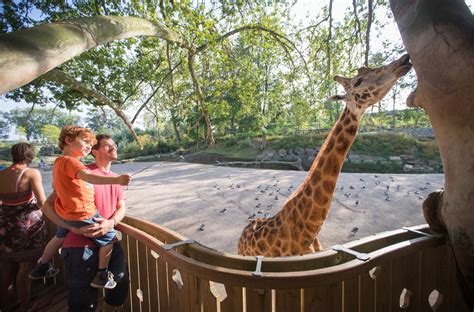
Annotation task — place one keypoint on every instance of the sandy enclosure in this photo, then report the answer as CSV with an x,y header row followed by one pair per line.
x,y
213,204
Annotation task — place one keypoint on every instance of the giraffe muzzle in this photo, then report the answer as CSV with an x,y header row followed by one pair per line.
x,y
402,66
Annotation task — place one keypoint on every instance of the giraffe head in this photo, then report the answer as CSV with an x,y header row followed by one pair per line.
x,y
371,84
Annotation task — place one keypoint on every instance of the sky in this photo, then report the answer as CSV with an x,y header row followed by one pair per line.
x,y
301,11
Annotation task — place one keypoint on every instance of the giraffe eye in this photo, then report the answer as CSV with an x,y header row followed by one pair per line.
x,y
358,82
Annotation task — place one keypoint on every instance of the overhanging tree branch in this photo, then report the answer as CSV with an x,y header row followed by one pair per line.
x,y
27,54
100,99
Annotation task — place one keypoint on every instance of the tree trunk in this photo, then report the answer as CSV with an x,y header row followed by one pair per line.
x,y
28,53
439,36
200,99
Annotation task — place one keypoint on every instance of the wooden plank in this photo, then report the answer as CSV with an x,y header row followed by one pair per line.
x,y
124,244
443,277
194,293
57,296
411,280
335,297
143,276
383,287
288,300
351,289
367,292
174,299
258,300
134,274
316,298
397,283
427,276
208,301
153,280
456,294
163,285
234,300
178,293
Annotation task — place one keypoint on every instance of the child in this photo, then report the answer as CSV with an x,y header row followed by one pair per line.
x,y
75,202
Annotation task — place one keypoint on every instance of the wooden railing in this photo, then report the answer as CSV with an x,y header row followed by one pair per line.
x,y
409,270
403,269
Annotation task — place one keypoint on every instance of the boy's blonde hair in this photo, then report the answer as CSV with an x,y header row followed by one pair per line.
x,y
74,132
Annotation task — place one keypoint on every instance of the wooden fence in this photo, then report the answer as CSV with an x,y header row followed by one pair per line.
x,y
402,270
406,269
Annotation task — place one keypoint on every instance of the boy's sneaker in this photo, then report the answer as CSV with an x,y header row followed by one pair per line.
x,y
104,280
42,270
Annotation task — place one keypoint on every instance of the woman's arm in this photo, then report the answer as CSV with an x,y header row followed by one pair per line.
x,y
36,183
85,175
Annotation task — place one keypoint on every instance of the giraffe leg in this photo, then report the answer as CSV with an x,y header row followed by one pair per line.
x,y
317,245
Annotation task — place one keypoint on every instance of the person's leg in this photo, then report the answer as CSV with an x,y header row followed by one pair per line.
x,y
51,249
43,268
116,297
23,284
104,256
103,279
80,265
8,272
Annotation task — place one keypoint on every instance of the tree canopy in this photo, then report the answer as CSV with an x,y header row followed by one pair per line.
x,y
223,67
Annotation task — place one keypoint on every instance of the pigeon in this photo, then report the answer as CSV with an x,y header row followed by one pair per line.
x,y
355,230
201,228
357,202
223,210
252,216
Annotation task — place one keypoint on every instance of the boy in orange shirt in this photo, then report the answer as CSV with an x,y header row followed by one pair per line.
x,y
75,202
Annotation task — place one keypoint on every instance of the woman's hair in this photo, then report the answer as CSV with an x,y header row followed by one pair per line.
x,y
74,132
22,153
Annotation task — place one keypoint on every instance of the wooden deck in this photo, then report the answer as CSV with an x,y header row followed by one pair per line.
x,y
51,297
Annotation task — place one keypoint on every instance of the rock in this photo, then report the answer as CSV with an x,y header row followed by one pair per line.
x,y
311,151
395,158
290,157
299,151
407,168
282,152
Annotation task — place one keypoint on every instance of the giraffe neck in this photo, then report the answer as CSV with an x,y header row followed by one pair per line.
x,y
313,197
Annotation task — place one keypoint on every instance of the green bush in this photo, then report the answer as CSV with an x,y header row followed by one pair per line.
x,y
296,141
383,144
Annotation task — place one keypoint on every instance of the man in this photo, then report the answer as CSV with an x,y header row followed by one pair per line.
x,y
79,253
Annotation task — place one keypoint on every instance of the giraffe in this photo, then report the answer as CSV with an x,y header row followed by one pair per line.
x,y
294,229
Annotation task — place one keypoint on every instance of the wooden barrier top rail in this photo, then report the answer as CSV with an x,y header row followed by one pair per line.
x,y
311,270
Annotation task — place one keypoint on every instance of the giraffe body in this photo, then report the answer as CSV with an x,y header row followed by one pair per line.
x,y
294,229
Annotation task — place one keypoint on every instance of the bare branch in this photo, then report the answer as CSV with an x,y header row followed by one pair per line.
x,y
367,34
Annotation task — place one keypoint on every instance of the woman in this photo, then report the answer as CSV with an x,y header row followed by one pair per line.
x,y
22,227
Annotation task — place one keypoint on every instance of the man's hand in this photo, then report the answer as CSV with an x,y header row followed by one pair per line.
x,y
124,179
98,229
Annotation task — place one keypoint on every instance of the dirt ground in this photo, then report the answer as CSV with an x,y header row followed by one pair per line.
x,y
213,204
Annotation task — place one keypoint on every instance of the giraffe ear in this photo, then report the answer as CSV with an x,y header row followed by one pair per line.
x,y
337,97
345,82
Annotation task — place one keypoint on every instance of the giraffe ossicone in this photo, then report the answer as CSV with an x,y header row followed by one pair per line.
x,y
294,229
